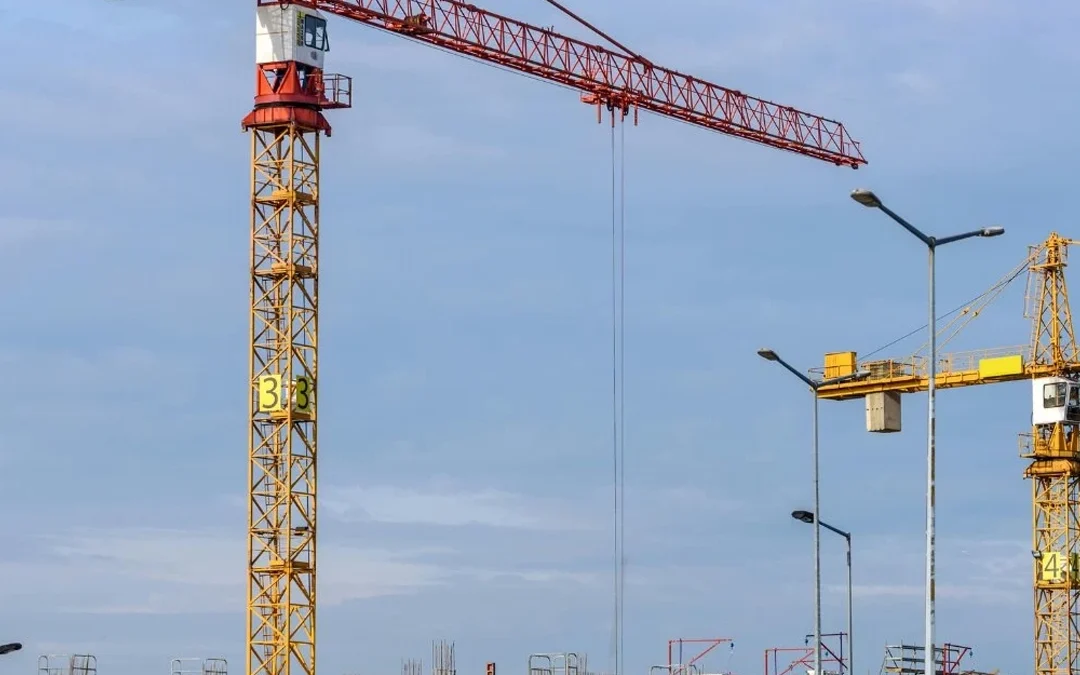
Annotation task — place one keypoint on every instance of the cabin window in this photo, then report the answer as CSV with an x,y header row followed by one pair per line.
x,y
1054,395
315,33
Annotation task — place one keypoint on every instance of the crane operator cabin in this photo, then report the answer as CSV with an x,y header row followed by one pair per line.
x,y
290,33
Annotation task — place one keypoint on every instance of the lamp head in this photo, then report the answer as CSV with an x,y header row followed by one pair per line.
x,y
10,647
992,231
866,198
768,355
804,516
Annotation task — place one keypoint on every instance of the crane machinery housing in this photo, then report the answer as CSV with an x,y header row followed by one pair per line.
x,y
292,92
1050,361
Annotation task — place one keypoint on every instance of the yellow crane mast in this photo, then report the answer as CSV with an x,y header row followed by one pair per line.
x,y
1051,362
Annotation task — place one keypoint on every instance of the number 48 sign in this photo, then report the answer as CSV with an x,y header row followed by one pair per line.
x,y
1056,566
275,396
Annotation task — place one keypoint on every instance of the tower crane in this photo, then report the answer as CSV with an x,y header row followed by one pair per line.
x,y
292,92
1052,364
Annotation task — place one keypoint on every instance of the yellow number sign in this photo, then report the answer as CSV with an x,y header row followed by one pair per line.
x,y
270,393
1052,566
300,397
303,393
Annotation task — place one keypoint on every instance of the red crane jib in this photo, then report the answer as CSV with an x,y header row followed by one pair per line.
x,y
604,77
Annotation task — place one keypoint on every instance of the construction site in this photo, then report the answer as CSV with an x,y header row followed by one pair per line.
x,y
297,99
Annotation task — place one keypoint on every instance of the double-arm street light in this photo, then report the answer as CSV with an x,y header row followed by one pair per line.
x,y
808,517
770,355
870,200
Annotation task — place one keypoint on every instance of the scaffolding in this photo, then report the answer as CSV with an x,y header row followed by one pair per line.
x,y
558,663
679,664
787,660
197,666
412,667
665,669
948,660
67,664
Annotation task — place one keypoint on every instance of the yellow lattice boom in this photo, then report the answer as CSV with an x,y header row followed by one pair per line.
x,y
282,439
1050,361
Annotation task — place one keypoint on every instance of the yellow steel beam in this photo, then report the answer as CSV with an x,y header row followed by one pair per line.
x,y
910,375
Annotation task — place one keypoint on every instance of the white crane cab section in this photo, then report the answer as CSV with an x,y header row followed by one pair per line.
x,y
1055,399
290,33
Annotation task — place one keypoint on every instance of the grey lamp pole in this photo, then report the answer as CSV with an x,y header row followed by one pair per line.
x,y
808,517
770,355
870,200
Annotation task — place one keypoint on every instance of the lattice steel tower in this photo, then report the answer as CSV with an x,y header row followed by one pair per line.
x,y
1055,466
286,125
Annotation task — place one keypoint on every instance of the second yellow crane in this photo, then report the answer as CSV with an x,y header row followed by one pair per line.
x,y
1051,362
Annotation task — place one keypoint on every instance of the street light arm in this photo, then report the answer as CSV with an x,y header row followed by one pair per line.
x,y
857,375
930,242
809,517
830,528
810,383
981,232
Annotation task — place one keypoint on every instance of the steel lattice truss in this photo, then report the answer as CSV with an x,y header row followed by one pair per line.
x,y
605,76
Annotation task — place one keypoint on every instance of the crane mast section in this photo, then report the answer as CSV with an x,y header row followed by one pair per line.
x,y
282,431
605,77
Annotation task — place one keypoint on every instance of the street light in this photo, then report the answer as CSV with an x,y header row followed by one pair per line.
x,y
870,200
10,647
770,355
808,517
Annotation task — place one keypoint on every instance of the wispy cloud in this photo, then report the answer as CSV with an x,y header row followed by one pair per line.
x,y
969,571
160,571
445,507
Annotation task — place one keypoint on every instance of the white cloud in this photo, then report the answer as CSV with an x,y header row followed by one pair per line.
x,y
441,506
132,571
162,571
972,571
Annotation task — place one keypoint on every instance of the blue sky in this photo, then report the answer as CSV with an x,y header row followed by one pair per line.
x,y
465,364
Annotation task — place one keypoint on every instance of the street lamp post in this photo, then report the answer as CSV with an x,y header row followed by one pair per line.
x,y
770,355
870,200
808,517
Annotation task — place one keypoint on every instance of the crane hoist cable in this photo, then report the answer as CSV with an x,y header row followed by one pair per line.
x,y
622,394
618,388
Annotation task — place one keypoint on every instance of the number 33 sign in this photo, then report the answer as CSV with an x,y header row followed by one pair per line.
x,y
273,396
